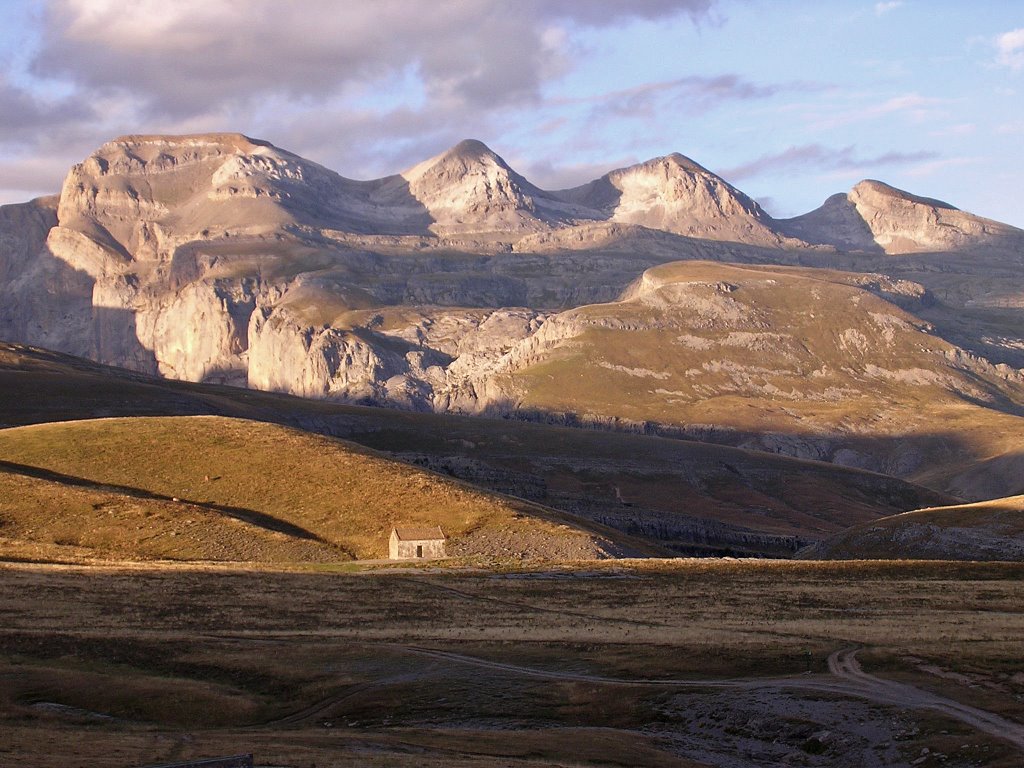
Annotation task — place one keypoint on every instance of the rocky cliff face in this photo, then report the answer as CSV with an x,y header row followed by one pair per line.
x,y
460,286
44,300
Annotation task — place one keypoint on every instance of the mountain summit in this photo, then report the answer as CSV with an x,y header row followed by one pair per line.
x,y
469,189
874,216
137,194
676,194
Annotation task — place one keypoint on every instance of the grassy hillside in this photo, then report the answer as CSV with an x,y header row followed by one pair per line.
x,y
696,497
755,349
209,487
809,362
987,530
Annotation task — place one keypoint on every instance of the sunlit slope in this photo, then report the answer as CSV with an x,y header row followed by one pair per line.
x,y
209,487
986,530
813,363
42,518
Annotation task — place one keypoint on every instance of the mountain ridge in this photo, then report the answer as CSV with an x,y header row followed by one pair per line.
x,y
673,193
459,286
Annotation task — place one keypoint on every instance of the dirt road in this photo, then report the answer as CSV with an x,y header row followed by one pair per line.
x,y
852,681
844,665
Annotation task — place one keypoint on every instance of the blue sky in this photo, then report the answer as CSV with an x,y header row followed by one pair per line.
x,y
789,101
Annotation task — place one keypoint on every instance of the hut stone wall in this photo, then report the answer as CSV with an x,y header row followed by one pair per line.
x,y
403,546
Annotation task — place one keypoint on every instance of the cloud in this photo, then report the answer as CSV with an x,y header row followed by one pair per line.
x,y
1010,49
927,169
695,94
22,114
192,56
815,157
912,102
883,8
911,105
606,12
27,177
1010,128
363,87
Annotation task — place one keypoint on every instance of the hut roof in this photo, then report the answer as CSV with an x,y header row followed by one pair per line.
x,y
419,533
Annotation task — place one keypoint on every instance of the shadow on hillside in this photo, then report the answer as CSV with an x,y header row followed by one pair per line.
x,y
47,303
688,488
378,207
250,516
904,457
56,393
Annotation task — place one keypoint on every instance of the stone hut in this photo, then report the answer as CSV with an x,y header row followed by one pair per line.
x,y
416,543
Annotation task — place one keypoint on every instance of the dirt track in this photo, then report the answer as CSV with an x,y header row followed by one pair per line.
x,y
842,664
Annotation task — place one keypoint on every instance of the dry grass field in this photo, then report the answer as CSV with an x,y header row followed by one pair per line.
x,y
213,488
638,663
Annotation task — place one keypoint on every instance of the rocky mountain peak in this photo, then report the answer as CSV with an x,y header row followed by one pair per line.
x,y
676,194
471,189
880,192
675,162
183,185
877,217
469,156
225,141
471,150
901,222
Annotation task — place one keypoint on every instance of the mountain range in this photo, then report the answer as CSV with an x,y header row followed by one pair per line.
x,y
883,331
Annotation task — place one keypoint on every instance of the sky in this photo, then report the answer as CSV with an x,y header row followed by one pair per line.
x,y
789,100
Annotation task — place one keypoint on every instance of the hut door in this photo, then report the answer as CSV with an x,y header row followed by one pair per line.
x,y
419,550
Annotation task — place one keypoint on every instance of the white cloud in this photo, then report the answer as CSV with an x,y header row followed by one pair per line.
x,y
1010,49
929,168
911,105
189,56
360,86
883,8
